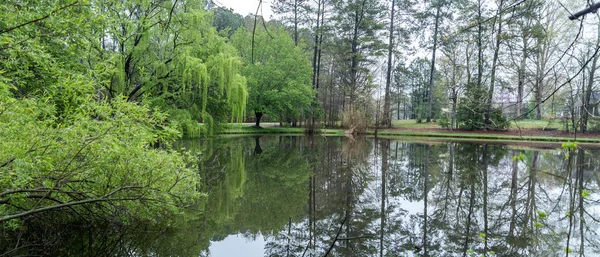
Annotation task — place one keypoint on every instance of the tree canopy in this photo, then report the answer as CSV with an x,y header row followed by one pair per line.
x,y
277,71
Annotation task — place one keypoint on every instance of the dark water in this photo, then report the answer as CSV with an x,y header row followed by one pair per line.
x,y
295,196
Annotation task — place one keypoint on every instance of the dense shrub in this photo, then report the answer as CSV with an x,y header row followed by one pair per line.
x,y
355,120
98,161
473,108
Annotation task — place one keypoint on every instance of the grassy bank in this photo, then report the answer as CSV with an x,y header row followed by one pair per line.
x,y
273,128
482,137
523,131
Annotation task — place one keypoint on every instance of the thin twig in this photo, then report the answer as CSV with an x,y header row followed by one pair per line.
x,y
38,19
336,237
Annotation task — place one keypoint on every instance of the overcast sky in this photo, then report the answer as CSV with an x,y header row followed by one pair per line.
x,y
244,7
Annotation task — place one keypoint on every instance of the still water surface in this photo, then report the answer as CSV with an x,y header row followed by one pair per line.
x,y
317,196
295,196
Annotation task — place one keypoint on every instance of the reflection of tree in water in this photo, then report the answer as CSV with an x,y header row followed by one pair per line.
x,y
340,177
479,199
509,197
400,199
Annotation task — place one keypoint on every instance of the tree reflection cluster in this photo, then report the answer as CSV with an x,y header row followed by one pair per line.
x,y
396,199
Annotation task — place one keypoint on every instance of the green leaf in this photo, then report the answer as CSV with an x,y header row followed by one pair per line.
x,y
585,193
542,214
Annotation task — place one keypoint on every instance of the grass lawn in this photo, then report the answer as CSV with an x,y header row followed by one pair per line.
x,y
536,124
247,128
412,129
412,124
523,124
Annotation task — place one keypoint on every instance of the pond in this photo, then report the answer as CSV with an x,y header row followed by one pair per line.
x,y
335,196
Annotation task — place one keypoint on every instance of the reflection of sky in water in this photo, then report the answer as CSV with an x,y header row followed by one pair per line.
x,y
237,245
405,210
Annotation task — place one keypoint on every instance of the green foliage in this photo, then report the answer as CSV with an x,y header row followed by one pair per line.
x,y
96,158
44,52
444,121
356,120
188,127
472,110
170,56
165,54
585,193
278,73
225,20
569,145
470,113
542,214
521,157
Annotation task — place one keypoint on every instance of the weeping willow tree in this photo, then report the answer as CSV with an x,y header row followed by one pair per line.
x,y
168,54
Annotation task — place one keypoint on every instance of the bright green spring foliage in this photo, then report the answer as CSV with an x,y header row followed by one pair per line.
x,y
91,94
34,55
278,72
162,53
96,161
171,56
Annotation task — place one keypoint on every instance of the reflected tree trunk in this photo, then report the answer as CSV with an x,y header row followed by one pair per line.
x,y
385,147
513,197
576,192
289,237
257,149
580,194
571,199
449,175
425,204
530,205
469,215
484,171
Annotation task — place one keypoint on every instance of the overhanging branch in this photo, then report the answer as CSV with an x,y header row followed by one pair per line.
x,y
39,19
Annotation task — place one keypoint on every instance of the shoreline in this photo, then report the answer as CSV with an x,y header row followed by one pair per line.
x,y
551,139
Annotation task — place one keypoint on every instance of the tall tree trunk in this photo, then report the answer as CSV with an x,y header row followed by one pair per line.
x,y
258,115
316,44
454,93
479,46
387,121
320,47
539,80
585,105
521,83
490,101
432,72
354,57
296,22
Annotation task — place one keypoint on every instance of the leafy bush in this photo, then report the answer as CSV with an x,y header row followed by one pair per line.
x,y
98,162
444,121
473,108
355,120
498,120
